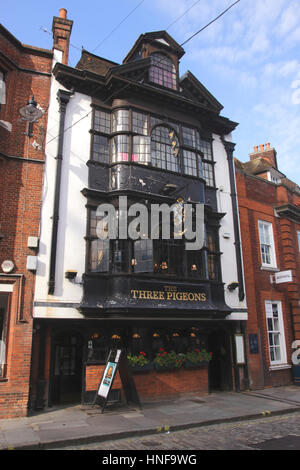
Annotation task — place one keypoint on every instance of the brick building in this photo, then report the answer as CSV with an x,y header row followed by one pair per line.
x,y
25,71
269,206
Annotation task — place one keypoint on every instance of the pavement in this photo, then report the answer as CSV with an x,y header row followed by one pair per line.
x,y
82,424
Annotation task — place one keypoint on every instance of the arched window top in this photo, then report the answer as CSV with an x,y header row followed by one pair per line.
x,y
162,71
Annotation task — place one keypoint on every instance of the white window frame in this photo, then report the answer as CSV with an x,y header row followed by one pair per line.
x,y
272,254
277,342
298,238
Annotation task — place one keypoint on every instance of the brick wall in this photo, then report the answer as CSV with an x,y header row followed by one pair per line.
x,y
156,384
27,72
257,199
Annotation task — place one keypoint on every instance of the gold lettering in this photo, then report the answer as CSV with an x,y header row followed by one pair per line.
x,y
134,292
161,295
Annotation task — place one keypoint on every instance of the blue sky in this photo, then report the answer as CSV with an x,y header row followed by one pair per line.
x,y
249,59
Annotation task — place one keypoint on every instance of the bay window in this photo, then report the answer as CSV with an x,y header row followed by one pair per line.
x,y
127,135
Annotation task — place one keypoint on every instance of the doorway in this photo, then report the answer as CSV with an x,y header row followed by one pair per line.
x,y
220,369
67,368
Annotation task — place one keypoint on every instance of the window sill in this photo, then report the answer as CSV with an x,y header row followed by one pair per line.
x,y
280,366
3,379
270,268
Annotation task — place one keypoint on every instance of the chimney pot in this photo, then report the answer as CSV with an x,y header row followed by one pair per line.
x,y
63,13
261,147
267,145
255,148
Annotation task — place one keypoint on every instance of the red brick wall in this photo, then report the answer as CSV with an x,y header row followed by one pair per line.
x,y
21,178
257,199
156,384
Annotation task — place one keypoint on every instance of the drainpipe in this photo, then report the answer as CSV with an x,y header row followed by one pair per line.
x,y
229,147
63,99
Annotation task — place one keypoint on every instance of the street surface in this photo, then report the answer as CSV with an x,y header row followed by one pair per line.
x,y
270,433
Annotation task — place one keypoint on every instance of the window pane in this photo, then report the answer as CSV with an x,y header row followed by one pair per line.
x,y
120,120
205,147
189,163
165,149
141,149
189,136
162,71
139,123
208,173
143,255
102,121
99,255
3,329
120,148
100,151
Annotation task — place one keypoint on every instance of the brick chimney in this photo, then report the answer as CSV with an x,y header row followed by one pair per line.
x,y
61,28
265,151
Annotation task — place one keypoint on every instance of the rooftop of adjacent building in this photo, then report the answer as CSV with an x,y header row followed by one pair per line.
x,y
263,164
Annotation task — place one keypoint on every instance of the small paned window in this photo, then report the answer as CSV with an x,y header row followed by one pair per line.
x,y
143,256
208,173
212,256
120,120
162,71
190,163
120,148
165,149
102,121
139,123
205,147
100,152
298,238
98,249
141,149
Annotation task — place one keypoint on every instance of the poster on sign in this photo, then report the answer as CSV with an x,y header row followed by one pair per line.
x,y
107,379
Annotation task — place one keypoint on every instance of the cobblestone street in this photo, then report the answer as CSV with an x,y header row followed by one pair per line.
x,y
276,433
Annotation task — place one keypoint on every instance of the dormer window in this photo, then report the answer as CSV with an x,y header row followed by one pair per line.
x,y
162,71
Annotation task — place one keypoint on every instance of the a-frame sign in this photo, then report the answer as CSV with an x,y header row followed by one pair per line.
x,y
116,361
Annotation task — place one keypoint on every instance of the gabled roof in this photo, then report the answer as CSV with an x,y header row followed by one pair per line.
x,y
259,165
159,37
193,89
94,63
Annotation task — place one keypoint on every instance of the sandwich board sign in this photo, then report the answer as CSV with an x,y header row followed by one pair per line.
x,y
109,375
116,361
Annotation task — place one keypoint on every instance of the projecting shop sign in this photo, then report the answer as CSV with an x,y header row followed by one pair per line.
x,y
283,276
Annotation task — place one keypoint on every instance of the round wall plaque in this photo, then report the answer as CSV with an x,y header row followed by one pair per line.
x,y
7,266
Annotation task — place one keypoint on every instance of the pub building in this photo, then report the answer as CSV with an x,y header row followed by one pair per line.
x,y
141,131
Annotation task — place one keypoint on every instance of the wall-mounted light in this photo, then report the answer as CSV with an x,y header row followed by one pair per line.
x,y
232,286
164,265
30,112
133,262
70,274
194,267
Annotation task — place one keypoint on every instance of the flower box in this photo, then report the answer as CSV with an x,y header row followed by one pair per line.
x,y
167,368
141,369
195,365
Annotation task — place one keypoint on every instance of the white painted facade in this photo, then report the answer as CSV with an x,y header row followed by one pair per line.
x,y
72,214
226,232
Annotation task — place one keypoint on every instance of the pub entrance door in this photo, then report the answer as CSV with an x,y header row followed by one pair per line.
x,y
220,367
67,368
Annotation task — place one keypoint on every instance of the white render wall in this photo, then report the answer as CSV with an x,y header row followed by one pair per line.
x,y
72,211
227,246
